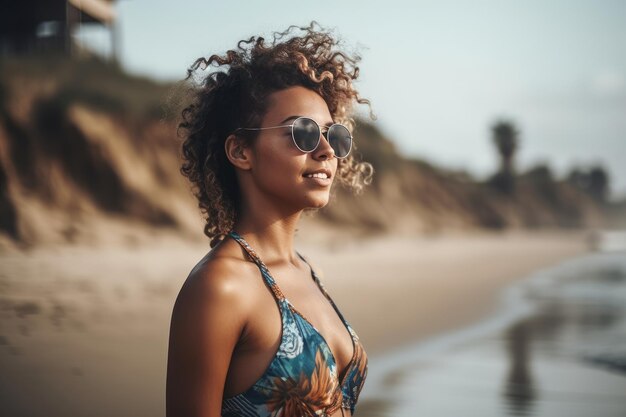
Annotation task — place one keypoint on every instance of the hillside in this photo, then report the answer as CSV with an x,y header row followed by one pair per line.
x,y
89,154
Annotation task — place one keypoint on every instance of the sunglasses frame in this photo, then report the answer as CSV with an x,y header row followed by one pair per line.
x,y
319,129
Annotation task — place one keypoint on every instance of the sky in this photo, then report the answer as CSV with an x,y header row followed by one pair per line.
x,y
438,73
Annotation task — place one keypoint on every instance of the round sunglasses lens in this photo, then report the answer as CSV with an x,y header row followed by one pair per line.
x,y
340,140
306,134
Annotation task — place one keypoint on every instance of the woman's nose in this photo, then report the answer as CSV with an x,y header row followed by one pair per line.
x,y
324,150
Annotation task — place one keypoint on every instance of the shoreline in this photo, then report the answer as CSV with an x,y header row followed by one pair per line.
x,y
566,319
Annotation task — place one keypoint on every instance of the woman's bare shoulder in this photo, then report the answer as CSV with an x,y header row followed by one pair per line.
x,y
220,278
209,316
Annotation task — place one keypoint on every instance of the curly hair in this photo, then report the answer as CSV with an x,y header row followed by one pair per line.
x,y
237,95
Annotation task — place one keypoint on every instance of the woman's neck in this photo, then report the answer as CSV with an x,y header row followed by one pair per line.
x,y
271,236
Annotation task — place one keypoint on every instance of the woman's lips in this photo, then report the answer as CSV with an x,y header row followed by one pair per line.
x,y
317,179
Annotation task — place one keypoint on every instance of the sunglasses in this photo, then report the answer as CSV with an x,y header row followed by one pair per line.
x,y
306,133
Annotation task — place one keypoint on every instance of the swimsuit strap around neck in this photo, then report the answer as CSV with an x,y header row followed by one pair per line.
x,y
257,260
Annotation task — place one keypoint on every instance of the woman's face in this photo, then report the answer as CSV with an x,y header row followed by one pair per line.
x,y
279,169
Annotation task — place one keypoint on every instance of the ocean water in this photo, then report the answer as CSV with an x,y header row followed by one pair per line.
x,y
555,347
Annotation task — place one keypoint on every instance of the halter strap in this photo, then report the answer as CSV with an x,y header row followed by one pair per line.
x,y
271,283
278,294
269,280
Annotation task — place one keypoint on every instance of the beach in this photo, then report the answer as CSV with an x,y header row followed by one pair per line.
x,y
554,347
405,289
83,330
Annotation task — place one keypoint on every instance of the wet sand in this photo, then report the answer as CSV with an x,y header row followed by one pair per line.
x,y
555,348
83,331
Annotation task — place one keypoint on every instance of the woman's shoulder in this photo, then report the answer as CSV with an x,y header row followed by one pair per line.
x,y
209,316
220,278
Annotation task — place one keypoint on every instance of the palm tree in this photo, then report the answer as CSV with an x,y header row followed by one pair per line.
x,y
505,138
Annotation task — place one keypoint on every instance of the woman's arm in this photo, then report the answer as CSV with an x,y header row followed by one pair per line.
x,y
207,320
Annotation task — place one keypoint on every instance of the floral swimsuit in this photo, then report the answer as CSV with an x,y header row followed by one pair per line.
x,y
301,380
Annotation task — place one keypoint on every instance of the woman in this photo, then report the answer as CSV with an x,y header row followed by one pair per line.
x,y
264,141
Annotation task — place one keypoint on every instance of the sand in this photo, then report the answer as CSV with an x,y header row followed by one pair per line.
x,y
399,290
83,330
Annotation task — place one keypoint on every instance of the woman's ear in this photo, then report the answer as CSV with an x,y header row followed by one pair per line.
x,y
238,152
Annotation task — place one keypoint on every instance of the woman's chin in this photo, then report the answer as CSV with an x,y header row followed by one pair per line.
x,y
317,202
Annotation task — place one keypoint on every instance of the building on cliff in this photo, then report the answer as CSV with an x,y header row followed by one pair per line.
x,y
42,26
